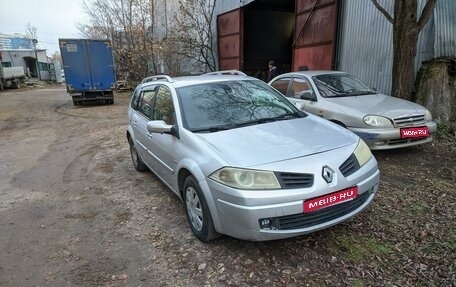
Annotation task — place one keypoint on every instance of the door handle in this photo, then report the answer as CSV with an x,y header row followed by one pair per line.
x,y
149,135
135,123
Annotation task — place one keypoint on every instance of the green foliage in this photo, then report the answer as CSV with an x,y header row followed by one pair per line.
x,y
446,130
357,248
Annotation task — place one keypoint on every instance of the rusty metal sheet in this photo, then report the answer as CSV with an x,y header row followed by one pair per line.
x,y
315,58
230,44
320,27
315,34
228,64
302,6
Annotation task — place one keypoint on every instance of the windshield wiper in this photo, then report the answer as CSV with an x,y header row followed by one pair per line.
x,y
352,94
362,93
288,116
214,128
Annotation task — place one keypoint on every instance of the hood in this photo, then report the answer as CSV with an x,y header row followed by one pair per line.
x,y
379,104
277,141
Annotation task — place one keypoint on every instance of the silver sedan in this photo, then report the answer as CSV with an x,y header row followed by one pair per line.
x,y
383,122
244,160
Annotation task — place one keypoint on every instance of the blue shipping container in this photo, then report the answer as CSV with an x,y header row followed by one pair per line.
x,y
89,69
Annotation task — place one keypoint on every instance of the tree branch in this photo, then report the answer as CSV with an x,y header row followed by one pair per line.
x,y
383,11
427,11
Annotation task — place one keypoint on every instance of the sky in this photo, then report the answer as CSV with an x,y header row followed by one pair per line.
x,y
53,19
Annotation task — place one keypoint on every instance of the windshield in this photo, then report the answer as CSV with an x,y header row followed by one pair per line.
x,y
211,107
341,85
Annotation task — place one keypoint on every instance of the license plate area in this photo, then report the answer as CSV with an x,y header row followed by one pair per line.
x,y
330,199
418,132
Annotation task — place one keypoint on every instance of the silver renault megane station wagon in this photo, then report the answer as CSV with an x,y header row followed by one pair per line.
x,y
244,160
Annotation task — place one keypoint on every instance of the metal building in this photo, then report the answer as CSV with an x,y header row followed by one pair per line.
x,y
348,35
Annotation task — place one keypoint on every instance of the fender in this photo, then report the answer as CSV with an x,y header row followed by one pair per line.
x,y
198,174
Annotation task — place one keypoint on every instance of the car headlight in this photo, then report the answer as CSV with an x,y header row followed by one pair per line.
x,y
246,178
362,153
377,121
428,116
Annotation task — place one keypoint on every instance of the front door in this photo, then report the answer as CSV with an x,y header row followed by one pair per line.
x,y
161,145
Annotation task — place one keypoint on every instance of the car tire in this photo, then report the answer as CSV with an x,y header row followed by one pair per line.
x,y
16,84
198,214
137,162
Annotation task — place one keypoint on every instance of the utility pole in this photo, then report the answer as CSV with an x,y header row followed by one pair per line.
x,y
35,41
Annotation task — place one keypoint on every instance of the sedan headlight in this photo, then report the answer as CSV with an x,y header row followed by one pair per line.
x,y
362,153
428,116
377,121
246,178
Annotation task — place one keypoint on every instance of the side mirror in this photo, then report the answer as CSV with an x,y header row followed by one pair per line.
x,y
307,95
160,127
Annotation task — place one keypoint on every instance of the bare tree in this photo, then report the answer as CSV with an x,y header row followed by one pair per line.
x,y
193,34
127,23
30,31
57,57
406,28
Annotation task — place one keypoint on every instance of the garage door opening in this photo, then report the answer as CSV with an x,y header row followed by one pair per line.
x,y
268,35
260,31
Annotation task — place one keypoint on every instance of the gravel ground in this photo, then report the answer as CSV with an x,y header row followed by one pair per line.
x,y
74,212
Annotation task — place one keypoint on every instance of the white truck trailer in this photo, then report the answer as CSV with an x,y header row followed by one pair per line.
x,y
11,77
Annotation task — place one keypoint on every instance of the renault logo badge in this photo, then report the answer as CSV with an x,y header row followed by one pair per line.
x,y
327,174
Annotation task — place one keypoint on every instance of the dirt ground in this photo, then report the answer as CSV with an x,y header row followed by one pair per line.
x,y
74,212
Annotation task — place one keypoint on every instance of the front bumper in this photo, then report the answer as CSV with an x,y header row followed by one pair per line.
x,y
389,138
242,220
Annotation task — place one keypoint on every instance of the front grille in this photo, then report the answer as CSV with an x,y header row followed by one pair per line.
x,y
404,141
305,220
349,166
290,180
410,120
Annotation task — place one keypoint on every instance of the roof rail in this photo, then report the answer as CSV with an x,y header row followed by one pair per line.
x,y
226,72
156,78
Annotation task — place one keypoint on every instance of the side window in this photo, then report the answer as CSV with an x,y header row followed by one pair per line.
x,y
146,102
164,108
135,99
298,87
281,85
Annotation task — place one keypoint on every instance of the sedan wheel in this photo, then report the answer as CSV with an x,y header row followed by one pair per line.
x,y
198,214
137,162
194,208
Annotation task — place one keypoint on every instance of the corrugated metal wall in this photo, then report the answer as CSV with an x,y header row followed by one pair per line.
x,y
445,28
223,6
366,41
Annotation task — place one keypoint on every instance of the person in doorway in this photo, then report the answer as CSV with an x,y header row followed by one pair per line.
x,y
273,71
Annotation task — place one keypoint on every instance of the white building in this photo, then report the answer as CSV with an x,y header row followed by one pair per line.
x,y
27,58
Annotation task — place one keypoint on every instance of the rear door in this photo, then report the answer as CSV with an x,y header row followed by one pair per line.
x,y
140,118
75,64
315,34
230,40
101,65
88,64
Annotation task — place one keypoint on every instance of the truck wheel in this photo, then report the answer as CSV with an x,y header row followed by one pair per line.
x,y
198,214
16,84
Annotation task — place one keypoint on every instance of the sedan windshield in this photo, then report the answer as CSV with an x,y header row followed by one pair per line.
x,y
341,85
211,107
